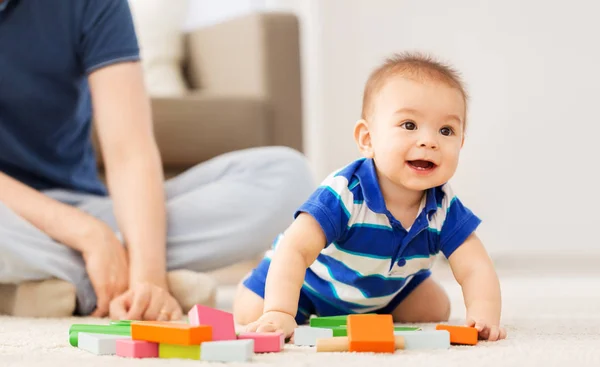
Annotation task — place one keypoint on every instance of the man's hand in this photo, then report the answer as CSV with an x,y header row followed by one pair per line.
x,y
106,264
145,301
274,321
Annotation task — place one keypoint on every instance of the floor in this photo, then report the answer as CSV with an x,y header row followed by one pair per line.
x,y
551,321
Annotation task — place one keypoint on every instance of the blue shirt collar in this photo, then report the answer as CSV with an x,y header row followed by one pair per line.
x,y
367,175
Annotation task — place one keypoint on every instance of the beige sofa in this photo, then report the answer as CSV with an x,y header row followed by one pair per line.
x,y
244,79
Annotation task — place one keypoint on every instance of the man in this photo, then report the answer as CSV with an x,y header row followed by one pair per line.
x,y
58,59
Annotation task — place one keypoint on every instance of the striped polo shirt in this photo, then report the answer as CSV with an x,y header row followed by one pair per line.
x,y
369,256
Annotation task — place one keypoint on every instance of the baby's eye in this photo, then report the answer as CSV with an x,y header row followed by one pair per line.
x,y
409,125
446,131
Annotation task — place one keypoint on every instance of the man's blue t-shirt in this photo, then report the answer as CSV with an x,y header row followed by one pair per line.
x,y
47,51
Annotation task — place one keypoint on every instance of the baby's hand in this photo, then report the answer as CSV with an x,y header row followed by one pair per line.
x,y
487,330
274,321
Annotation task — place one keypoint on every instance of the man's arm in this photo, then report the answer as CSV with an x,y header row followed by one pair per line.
x,y
64,223
133,167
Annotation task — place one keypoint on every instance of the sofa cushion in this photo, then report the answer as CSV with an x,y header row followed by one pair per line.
x,y
161,41
200,126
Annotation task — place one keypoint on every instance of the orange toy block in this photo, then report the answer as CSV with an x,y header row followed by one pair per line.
x,y
371,333
171,333
460,334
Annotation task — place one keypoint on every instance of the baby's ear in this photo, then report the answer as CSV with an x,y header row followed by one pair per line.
x,y
362,137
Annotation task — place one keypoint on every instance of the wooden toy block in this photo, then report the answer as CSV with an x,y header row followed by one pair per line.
x,y
75,329
341,344
171,333
265,342
307,336
430,339
100,344
326,321
223,327
228,351
136,349
460,334
371,333
179,351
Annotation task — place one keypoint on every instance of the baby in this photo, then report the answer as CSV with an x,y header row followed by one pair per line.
x,y
365,240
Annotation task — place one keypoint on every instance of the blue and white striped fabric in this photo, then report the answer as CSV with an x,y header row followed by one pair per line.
x,y
369,257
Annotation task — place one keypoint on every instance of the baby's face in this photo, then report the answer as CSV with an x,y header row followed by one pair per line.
x,y
416,131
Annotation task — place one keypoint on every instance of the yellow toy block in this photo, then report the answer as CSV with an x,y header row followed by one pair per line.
x,y
179,351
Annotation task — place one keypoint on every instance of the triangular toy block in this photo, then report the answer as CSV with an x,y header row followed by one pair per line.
x,y
223,327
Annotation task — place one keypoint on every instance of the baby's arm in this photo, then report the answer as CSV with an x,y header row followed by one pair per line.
x,y
299,248
475,272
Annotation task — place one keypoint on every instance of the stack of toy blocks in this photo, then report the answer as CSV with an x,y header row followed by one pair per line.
x,y
209,336
377,333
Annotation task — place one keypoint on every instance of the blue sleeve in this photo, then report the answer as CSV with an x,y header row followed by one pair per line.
x,y
329,210
459,224
107,34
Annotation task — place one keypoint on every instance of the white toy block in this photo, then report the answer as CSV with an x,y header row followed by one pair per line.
x,y
227,350
307,335
430,339
100,344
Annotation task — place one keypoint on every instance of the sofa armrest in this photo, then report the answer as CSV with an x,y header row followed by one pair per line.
x,y
256,55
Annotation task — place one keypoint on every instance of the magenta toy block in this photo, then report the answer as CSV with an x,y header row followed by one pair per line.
x,y
136,349
265,342
222,324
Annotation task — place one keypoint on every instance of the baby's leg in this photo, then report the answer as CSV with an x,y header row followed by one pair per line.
x,y
428,302
247,305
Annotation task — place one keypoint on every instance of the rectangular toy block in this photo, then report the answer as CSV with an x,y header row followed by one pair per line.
x,y
308,336
179,351
120,322
171,333
223,327
75,329
265,342
460,334
99,344
136,349
371,333
430,339
228,351
327,321
340,344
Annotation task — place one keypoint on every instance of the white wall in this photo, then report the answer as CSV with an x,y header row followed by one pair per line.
x,y
529,166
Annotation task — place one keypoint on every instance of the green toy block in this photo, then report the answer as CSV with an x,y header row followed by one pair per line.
x,y
328,321
121,322
342,330
178,351
75,329
406,328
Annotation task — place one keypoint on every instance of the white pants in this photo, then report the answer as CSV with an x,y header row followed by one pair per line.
x,y
219,212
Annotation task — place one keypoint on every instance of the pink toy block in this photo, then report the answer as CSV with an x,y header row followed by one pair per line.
x,y
136,349
265,342
222,324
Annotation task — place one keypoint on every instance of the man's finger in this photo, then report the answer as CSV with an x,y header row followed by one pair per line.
x,y
119,306
102,302
157,307
141,299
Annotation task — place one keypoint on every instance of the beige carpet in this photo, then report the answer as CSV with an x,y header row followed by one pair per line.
x,y
551,321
